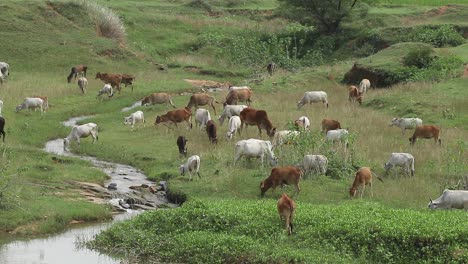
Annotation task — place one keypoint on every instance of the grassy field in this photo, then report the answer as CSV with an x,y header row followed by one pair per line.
x,y
40,200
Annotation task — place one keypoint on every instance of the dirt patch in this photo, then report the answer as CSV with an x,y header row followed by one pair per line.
x,y
358,72
208,84
438,11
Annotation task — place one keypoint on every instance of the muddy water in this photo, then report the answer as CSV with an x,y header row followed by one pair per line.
x,y
136,104
64,247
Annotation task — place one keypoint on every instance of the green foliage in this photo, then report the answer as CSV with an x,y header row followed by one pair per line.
x,y
438,36
420,58
242,227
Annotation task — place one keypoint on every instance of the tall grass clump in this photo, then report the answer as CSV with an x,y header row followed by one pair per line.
x,y
108,23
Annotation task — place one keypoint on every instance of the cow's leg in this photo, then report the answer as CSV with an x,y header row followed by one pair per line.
x,y
371,192
297,189
261,159
288,227
362,191
403,130
214,109
259,131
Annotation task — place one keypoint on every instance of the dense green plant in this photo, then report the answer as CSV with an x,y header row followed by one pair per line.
x,y
439,36
420,58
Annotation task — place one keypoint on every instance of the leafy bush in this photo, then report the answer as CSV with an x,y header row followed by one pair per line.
x,y
420,58
444,35
220,231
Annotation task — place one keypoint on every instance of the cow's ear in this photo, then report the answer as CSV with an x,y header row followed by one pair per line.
x,y
262,185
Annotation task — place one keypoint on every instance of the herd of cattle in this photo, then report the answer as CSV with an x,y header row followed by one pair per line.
x,y
242,116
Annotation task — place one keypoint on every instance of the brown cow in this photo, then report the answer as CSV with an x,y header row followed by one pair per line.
x,y
280,176
211,131
426,131
202,99
329,124
363,177
238,95
157,98
112,78
176,116
354,95
286,207
128,79
80,68
45,106
250,116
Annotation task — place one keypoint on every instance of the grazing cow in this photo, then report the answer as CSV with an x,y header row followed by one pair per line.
x,y
404,160
229,111
329,124
157,98
81,131
450,199
82,83
255,148
202,116
232,88
135,118
78,69
238,95
111,78
280,176
406,123
45,106
363,86
283,136
31,103
354,95
128,79
426,131
337,135
233,126
192,165
363,177
286,207
315,163
1,107
176,116
271,68
313,97
250,116
303,122
202,99
4,71
2,127
107,89
182,145
211,131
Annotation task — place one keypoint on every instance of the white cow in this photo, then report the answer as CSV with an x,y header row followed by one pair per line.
x,y
337,135
450,199
1,107
232,88
315,163
192,165
363,86
83,83
31,103
107,89
233,126
313,97
404,160
137,117
303,121
202,116
255,148
4,71
81,131
283,136
406,123
230,110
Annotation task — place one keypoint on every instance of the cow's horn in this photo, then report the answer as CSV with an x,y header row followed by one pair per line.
x,y
430,200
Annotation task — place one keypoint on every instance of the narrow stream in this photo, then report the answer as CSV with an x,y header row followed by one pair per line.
x,y
64,247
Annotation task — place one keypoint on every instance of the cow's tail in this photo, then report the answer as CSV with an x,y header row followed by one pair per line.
x,y
291,214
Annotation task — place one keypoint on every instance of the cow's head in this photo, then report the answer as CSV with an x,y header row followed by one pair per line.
x,y
395,121
145,101
273,161
98,75
66,142
127,120
387,166
19,107
432,204
271,132
159,119
352,191
412,140
263,188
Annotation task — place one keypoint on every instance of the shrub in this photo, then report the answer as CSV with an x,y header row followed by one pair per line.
x,y
444,35
420,58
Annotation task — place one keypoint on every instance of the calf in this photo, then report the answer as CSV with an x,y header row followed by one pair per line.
x,y
192,165
286,207
250,116
176,116
329,124
426,131
82,84
303,122
313,97
111,78
107,89
2,127
157,98
404,160
233,126
201,99
315,163
255,148
280,176
406,123
182,145
229,111
450,199
136,117
211,131
363,86
31,103
363,177
82,131
202,116
238,95
354,95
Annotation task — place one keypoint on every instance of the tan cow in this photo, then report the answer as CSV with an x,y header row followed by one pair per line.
x,y
202,99
363,177
250,116
280,176
176,116
157,98
354,95
329,124
112,78
238,95
286,207
426,131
